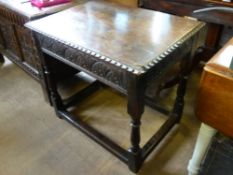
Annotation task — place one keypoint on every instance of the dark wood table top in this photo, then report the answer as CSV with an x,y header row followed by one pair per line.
x,y
130,37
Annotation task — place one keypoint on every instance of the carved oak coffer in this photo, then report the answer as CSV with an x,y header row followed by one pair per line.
x,y
17,42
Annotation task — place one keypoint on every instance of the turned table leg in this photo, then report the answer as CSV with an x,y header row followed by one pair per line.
x,y
135,110
203,140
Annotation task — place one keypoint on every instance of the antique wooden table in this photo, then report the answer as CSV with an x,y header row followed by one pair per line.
x,y
124,48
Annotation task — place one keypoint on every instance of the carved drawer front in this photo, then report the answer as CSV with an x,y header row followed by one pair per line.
x,y
28,49
9,39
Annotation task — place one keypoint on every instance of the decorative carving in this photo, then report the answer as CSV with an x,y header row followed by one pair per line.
x,y
179,50
57,48
9,38
27,44
113,77
69,53
12,16
170,51
85,59
17,43
97,63
33,72
100,69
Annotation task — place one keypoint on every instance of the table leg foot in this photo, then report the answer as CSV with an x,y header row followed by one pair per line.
x,y
135,161
203,140
135,152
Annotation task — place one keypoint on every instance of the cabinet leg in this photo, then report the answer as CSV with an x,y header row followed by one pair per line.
x,y
203,140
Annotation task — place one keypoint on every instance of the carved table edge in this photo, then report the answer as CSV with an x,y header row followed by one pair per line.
x,y
128,68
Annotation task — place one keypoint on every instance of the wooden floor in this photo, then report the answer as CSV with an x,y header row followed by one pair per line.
x,y
33,141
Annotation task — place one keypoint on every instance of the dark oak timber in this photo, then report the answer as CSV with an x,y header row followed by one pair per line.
x,y
136,91
123,54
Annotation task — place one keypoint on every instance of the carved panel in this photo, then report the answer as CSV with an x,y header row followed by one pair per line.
x,y
27,45
10,41
87,60
12,16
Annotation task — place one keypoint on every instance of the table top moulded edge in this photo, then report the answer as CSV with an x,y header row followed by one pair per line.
x,y
110,59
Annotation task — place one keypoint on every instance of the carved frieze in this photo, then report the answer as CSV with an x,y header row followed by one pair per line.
x,y
107,69
180,51
86,60
100,69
